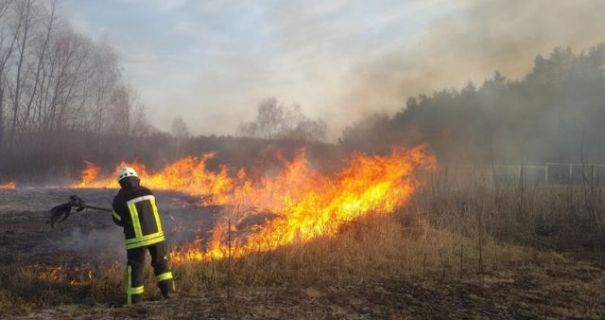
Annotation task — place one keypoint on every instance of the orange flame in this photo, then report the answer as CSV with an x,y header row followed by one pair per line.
x,y
75,275
188,175
304,202
11,185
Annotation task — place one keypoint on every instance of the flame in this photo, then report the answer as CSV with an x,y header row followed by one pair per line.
x,y
72,275
304,202
11,185
189,175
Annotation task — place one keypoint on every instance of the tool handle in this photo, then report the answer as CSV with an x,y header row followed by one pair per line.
x,y
86,206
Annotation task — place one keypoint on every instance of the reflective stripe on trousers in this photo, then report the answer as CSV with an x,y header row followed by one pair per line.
x,y
164,276
130,291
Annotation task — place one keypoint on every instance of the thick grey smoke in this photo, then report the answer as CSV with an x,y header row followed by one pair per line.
x,y
470,43
340,60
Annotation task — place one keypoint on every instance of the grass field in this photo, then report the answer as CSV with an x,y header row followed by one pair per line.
x,y
462,248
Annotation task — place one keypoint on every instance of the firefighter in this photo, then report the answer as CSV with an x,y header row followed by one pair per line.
x,y
135,209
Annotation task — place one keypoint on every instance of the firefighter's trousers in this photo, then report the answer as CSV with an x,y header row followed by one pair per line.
x,y
161,269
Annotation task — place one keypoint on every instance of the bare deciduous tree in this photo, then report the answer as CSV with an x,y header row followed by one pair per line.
x,y
276,121
57,85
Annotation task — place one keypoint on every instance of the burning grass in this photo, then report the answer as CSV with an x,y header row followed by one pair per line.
x,y
372,248
435,246
509,249
305,203
11,185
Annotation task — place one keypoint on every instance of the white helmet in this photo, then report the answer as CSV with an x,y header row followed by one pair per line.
x,y
126,172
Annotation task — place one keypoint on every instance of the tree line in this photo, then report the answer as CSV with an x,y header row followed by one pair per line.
x,y
63,100
554,113
57,85
54,80
275,120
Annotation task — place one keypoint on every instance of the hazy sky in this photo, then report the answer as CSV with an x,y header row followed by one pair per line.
x,y
213,61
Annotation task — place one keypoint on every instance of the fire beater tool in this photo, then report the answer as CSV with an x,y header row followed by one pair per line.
x,y
61,212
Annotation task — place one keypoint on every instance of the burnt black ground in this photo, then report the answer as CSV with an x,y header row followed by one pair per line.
x,y
86,238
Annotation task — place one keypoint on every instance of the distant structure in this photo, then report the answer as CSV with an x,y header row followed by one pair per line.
x,y
558,173
550,173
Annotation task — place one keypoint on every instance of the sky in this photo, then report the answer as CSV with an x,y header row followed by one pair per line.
x,y
212,62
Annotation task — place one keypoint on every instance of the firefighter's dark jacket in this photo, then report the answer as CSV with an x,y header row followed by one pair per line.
x,y
135,209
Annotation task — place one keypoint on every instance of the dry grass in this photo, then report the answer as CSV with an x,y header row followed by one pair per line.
x,y
561,217
449,232
374,248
